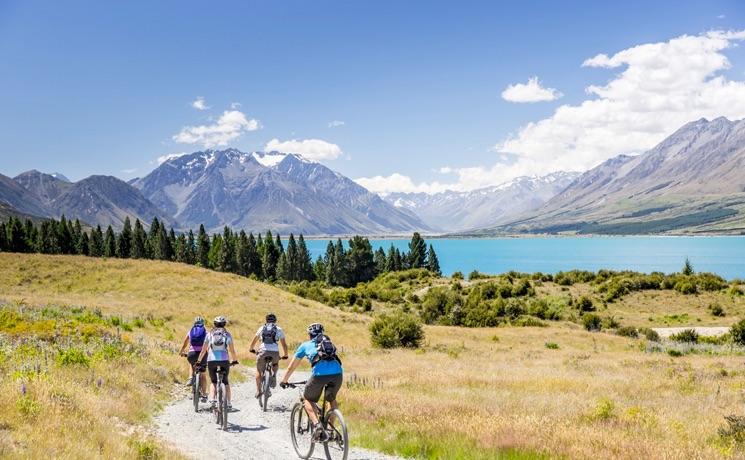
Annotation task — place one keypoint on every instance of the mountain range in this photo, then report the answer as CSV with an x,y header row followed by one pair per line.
x,y
452,211
691,182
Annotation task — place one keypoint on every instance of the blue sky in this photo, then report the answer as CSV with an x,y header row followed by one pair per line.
x,y
105,87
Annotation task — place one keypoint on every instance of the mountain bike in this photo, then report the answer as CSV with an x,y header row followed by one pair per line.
x,y
266,381
196,384
220,410
336,438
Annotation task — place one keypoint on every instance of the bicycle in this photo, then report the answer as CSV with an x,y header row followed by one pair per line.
x,y
266,381
336,443
220,410
196,384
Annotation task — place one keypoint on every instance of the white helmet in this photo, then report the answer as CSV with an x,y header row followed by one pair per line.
x,y
220,321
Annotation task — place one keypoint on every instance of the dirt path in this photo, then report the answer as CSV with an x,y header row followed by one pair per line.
x,y
705,331
251,434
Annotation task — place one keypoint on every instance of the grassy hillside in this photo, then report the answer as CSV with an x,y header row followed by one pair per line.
x,y
468,393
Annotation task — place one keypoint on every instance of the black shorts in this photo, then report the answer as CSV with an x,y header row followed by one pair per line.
x,y
192,358
316,384
212,368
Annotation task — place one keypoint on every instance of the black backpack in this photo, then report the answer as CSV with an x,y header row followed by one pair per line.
x,y
269,333
325,350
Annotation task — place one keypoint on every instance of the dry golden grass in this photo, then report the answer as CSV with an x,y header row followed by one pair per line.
x,y
470,393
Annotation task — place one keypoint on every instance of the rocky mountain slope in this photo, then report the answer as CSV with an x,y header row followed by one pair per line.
x,y
456,211
692,182
259,191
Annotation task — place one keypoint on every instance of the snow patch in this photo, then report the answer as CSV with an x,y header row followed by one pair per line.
x,y
269,160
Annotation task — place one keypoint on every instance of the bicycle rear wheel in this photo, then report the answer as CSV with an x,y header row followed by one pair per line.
x,y
301,431
224,407
195,390
337,447
264,399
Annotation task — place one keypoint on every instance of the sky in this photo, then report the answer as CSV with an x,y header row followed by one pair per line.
x,y
400,96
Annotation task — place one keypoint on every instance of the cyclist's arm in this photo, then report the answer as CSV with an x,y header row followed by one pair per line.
x,y
284,346
231,352
291,368
184,345
204,351
253,343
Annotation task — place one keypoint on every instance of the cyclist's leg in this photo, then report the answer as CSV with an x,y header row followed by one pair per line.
x,y
203,378
331,390
191,358
226,382
311,395
212,370
259,372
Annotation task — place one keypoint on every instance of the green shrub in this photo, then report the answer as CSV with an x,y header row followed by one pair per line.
x,y
475,275
716,310
649,334
592,322
72,356
529,321
738,332
604,409
734,430
685,336
627,331
685,287
522,288
610,322
552,345
457,275
584,304
396,330
674,353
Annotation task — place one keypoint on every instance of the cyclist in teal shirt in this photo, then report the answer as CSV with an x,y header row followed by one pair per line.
x,y
326,373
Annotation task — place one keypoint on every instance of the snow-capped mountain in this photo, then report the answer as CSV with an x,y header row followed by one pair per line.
x,y
269,190
456,211
693,181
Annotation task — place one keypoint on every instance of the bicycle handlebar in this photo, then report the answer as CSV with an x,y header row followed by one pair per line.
x,y
293,384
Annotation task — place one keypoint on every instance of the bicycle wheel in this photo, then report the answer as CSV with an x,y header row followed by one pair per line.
x,y
264,399
337,447
301,431
224,407
218,406
195,391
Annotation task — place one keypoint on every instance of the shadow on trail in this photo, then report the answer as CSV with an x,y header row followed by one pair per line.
x,y
233,427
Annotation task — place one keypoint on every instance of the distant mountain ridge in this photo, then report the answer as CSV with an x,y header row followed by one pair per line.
x,y
691,182
269,190
456,211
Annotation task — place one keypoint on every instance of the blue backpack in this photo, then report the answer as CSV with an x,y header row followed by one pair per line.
x,y
197,335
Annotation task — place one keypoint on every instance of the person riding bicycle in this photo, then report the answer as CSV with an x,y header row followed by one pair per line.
x,y
326,373
194,340
220,352
271,335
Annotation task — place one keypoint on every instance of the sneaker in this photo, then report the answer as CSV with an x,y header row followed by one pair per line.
x,y
203,398
213,403
319,434
230,407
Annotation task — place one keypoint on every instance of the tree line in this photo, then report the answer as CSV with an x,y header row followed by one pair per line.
x,y
266,258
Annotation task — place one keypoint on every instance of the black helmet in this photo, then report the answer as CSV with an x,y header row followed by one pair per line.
x,y
220,321
315,330
271,318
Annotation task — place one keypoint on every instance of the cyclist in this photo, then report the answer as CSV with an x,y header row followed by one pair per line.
x,y
220,352
195,339
271,335
326,374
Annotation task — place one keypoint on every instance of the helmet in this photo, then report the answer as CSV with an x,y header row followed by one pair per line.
x,y
199,321
271,318
220,321
315,329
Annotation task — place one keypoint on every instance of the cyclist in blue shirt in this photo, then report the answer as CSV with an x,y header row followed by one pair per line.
x,y
326,373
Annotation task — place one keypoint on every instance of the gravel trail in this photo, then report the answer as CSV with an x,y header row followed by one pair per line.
x,y
252,434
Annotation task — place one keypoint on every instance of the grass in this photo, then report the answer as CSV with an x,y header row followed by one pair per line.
x,y
464,394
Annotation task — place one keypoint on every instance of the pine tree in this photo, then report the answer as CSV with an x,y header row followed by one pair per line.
x,y
279,245
254,258
46,238
138,249
687,268
270,258
390,260
124,240
64,239
380,261
172,244
292,272
329,263
398,260
241,254
181,249
29,236
433,263
191,249
81,246
164,250
109,243
360,261
417,252
283,268
214,254
226,256
203,248
319,269
3,238
95,244
339,270
15,235
84,244
304,262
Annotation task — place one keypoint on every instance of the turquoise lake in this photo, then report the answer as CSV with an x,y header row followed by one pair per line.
x,y
723,255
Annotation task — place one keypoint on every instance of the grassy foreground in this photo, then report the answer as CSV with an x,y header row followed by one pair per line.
x,y
469,393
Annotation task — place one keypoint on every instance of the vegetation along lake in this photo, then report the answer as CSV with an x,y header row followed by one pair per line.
x,y
724,255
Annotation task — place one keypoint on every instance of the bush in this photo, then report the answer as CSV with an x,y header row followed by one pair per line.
x,y
685,336
71,357
610,322
738,332
584,304
650,334
674,353
592,322
522,288
685,287
552,345
396,330
716,310
457,275
628,331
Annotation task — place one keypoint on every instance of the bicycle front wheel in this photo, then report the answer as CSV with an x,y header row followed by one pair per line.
x,y
224,407
195,392
264,398
301,430
337,447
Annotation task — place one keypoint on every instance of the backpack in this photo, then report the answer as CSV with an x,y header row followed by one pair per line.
x,y
219,339
269,333
197,335
325,350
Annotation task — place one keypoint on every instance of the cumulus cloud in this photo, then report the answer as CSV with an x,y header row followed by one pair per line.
x,y
336,123
396,182
231,125
199,104
170,156
532,91
660,87
312,149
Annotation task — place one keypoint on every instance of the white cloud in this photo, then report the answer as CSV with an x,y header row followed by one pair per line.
x,y
170,156
235,105
129,171
532,91
336,123
312,149
721,16
398,183
445,170
231,125
661,87
199,104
